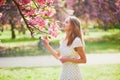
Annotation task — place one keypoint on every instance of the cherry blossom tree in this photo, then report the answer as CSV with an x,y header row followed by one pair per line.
x,y
105,12
37,15
11,16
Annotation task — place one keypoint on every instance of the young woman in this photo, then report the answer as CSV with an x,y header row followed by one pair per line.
x,y
71,51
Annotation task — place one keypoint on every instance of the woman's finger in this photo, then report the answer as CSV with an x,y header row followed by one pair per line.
x,y
45,41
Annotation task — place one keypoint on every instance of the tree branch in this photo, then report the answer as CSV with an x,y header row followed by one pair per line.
x,y
35,4
23,17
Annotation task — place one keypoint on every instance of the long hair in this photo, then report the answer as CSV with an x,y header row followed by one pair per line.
x,y
76,30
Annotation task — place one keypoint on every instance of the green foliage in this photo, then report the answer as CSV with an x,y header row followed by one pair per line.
x,y
42,73
114,37
101,72
90,47
25,51
100,41
98,33
97,41
55,42
89,72
115,26
102,47
17,40
97,27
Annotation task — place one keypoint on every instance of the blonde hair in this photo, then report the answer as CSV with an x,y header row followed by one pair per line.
x,y
76,30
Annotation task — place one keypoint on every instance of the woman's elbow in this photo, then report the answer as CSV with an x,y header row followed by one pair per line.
x,y
85,60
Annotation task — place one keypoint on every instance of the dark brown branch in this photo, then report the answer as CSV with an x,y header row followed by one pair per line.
x,y
23,17
35,4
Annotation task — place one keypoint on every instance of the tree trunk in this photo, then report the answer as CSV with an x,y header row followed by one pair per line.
x,y
12,29
17,5
105,27
23,29
2,29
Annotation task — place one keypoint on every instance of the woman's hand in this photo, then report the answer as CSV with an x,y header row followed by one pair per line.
x,y
64,59
50,49
45,41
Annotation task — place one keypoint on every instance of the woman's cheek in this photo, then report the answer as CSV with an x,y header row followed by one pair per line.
x,y
66,27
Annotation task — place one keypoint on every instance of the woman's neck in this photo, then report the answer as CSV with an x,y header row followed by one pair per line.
x,y
67,35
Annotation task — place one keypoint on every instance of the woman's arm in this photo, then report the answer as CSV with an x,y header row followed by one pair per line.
x,y
81,53
50,49
53,52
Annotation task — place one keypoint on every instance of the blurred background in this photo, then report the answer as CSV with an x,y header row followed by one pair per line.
x,y
100,21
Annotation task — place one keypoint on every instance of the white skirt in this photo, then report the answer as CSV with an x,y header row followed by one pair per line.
x,y
70,71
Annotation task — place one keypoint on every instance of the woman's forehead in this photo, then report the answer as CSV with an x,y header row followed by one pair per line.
x,y
67,19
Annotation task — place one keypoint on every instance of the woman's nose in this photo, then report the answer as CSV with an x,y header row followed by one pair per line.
x,y
63,24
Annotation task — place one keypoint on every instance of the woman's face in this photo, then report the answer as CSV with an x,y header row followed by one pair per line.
x,y
67,25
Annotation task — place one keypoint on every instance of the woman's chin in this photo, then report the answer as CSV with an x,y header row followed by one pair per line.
x,y
63,29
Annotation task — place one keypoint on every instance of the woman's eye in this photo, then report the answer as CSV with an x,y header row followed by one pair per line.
x,y
66,22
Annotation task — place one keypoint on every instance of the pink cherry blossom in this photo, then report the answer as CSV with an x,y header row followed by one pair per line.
x,y
50,1
41,2
21,7
53,30
54,34
32,22
2,2
40,21
37,21
24,1
42,13
49,12
29,13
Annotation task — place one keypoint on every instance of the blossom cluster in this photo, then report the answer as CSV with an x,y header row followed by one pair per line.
x,y
38,14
